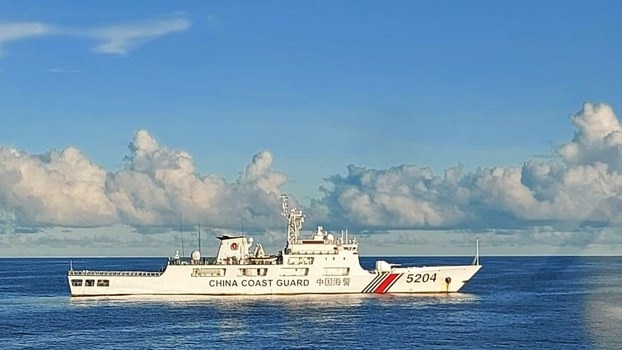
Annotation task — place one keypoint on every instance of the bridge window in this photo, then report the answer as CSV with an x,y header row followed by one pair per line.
x,y
253,272
206,272
89,283
76,283
288,271
103,283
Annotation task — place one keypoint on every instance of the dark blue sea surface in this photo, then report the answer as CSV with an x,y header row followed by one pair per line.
x,y
512,303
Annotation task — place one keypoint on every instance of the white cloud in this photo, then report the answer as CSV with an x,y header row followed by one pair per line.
x,y
400,197
114,39
55,188
15,31
158,187
598,138
554,198
120,39
583,185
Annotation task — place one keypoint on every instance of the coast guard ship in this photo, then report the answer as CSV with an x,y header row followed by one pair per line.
x,y
319,264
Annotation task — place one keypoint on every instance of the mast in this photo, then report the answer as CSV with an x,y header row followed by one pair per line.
x,y
181,232
294,218
199,237
476,259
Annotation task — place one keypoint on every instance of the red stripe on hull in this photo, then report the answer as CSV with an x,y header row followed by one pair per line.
x,y
386,283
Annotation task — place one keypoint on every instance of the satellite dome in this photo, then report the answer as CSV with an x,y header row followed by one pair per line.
x,y
196,255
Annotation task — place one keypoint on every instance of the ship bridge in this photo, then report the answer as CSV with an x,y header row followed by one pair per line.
x,y
321,241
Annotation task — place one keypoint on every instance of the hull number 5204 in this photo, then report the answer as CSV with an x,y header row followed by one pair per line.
x,y
421,278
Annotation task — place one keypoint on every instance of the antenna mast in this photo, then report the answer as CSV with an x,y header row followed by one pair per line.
x,y
199,237
181,232
294,218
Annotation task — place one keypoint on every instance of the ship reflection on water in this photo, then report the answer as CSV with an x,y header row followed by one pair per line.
x,y
227,318
306,301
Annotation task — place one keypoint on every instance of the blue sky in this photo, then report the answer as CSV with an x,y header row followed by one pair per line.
x,y
318,86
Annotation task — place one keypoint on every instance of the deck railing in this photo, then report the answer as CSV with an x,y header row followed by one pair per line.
x,y
114,273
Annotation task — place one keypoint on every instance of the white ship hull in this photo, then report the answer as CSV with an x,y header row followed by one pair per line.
x,y
184,280
322,264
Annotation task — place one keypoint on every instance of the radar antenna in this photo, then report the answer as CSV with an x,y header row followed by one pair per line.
x,y
294,218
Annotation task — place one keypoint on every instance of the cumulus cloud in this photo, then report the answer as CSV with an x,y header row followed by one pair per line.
x,y
581,185
158,187
400,197
15,31
120,39
598,138
55,188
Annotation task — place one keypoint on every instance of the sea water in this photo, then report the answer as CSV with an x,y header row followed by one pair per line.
x,y
512,303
